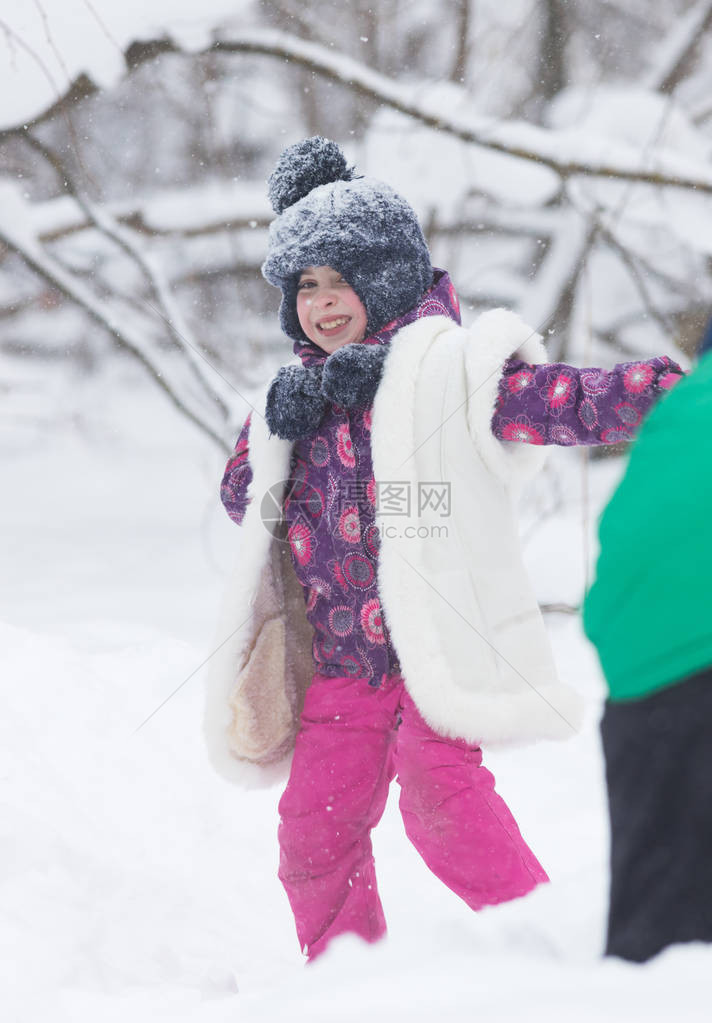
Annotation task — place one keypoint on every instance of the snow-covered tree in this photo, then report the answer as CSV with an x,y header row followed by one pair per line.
x,y
558,153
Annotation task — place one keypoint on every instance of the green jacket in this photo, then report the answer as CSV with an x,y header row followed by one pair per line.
x,y
649,612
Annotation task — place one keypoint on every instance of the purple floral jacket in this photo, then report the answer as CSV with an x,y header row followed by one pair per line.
x,y
330,505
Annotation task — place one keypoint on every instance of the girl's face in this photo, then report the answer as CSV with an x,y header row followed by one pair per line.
x,y
330,312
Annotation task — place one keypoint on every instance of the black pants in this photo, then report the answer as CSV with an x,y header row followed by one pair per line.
x,y
658,754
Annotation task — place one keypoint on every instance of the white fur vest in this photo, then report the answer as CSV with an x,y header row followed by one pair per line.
x,y
469,634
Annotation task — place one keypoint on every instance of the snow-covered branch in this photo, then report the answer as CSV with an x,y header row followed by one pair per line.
x,y
200,209
549,295
484,216
18,240
568,153
170,313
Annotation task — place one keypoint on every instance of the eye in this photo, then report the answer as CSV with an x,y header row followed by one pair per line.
x,y
305,284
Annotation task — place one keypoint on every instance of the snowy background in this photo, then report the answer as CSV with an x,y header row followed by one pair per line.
x,y
134,330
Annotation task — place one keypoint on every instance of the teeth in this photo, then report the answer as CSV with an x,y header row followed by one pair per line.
x,y
330,324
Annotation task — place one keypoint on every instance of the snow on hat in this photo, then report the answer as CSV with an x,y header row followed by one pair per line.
x,y
327,216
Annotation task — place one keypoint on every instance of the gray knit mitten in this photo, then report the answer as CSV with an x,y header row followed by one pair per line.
x,y
352,374
295,405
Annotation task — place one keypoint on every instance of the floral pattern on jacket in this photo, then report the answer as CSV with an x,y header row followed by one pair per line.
x,y
557,404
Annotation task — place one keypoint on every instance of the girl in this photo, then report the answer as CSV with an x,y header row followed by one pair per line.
x,y
370,651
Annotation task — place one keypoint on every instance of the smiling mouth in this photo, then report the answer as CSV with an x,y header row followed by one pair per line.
x,y
328,326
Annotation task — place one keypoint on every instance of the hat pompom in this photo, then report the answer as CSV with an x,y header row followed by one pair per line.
x,y
304,166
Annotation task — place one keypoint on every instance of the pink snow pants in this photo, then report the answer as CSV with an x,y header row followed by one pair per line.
x,y
353,740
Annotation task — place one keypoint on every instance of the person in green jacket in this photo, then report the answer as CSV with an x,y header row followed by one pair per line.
x,y
649,613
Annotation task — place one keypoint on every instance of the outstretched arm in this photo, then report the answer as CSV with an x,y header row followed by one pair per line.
x,y
237,478
558,404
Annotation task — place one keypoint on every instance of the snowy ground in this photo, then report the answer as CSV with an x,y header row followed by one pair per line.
x,y
137,884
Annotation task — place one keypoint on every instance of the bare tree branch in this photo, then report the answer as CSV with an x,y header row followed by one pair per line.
x,y
80,88
168,308
702,112
127,337
565,153
554,32
458,72
50,223
677,53
141,221
638,281
693,291
483,217
550,294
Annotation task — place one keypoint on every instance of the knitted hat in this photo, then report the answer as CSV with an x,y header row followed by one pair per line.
x,y
326,216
